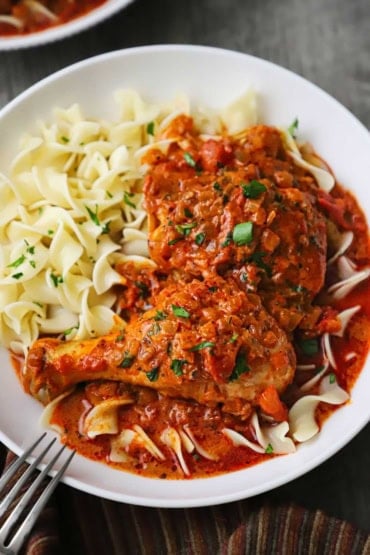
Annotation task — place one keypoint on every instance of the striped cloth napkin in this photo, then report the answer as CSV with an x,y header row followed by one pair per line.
x,y
76,522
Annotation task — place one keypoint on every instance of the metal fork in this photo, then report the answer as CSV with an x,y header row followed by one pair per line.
x,y
10,542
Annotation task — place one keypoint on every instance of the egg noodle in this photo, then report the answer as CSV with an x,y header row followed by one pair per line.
x,y
72,209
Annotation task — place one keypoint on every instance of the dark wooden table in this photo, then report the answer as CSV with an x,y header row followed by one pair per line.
x,y
328,42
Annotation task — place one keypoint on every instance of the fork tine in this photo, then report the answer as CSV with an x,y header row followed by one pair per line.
x,y
33,515
17,463
25,500
9,498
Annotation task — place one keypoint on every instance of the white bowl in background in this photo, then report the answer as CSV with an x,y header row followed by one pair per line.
x,y
64,30
212,77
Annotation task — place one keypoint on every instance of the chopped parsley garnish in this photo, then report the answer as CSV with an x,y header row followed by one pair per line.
x,y
233,338
269,449
32,263
229,238
293,127
150,128
299,288
69,330
309,346
203,345
332,378
253,189
160,315
105,228
120,337
143,288
257,257
199,238
50,232
188,213
213,288
93,215
65,139
177,365
243,233
127,361
174,241
180,311
153,374
109,194
155,329
17,276
189,160
217,187
56,279
95,218
240,367
17,262
185,229
126,199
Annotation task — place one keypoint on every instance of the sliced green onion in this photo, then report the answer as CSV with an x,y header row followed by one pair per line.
x,y
180,311
243,233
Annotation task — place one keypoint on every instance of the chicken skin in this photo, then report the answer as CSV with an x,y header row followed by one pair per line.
x,y
203,340
243,210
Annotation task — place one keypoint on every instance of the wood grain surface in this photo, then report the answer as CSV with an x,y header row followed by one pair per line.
x,y
326,41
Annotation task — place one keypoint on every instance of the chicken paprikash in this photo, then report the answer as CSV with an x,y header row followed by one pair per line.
x,y
255,295
189,302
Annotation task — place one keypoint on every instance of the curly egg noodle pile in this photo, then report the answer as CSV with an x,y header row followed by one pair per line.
x,y
73,208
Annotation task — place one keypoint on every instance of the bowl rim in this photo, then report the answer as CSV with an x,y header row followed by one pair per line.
x,y
64,30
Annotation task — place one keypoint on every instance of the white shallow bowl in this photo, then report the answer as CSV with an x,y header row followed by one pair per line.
x,y
211,77
65,29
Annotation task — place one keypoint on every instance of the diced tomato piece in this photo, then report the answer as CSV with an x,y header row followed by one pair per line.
x,y
271,404
215,154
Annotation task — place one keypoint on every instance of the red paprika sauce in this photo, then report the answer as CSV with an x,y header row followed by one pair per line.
x,y
195,195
